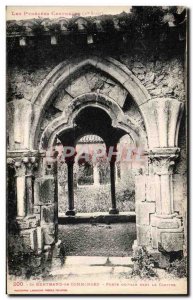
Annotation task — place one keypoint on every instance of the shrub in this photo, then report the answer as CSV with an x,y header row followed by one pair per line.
x,y
22,261
144,264
178,267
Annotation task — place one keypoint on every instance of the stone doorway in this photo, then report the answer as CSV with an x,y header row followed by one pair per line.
x,y
70,95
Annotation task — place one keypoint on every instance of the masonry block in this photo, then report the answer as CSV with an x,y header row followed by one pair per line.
x,y
172,241
150,188
154,237
49,233
29,237
48,214
44,190
143,235
37,209
140,188
28,222
143,211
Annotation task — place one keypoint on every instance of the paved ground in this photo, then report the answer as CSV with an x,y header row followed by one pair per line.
x,y
92,267
98,239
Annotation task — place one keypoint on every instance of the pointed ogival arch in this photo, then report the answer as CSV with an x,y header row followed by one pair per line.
x,y
66,69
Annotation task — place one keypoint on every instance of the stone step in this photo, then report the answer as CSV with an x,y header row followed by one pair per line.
x,y
98,261
89,270
91,265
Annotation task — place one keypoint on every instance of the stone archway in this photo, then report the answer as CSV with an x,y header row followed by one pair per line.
x,y
158,226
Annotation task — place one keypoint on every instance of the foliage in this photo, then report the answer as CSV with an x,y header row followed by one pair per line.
x,y
15,28
90,27
72,26
144,264
178,267
38,28
108,24
21,259
145,28
54,28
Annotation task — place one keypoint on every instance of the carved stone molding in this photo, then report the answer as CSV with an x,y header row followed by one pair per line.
x,y
162,160
24,163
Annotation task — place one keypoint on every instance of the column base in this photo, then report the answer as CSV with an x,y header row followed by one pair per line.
x,y
113,211
70,213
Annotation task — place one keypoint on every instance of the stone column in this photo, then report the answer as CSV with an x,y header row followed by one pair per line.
x,y
113,209
20,189
166,225
30,163
96,175
70,211
161,163
24,163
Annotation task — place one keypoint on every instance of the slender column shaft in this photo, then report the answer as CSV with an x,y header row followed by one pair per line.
x,y
29,194
21,207
113,209
96,175
70,189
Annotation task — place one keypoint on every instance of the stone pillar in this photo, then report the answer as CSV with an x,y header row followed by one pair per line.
x,y
30,164
116,174
46,204
166,225
70,211
96,175
24,163
113,209
161,163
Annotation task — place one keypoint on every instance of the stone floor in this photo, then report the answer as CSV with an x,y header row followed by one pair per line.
x,y
92,267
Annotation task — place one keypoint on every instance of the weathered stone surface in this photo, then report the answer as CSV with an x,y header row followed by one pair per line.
x,y
62,100
180,193
118,94
40,238
44,190
56,250
150,188
28,222
150,86
165,223
29,237
167,91
19,117
137,71
47,214
172,241
143,235
154,237
143,211
140,188
49,234
37,209
78,87
149,78
138,64
155,92
168,223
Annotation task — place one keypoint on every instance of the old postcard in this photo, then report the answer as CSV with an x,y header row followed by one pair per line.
x,y
97,150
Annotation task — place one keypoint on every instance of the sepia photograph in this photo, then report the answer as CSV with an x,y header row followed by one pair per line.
x,y
97,150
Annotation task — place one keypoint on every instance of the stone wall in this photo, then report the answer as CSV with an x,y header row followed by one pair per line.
x,y
163,79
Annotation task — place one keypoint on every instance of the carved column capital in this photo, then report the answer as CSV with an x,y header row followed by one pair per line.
x,y
30,162
23,163
162,160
